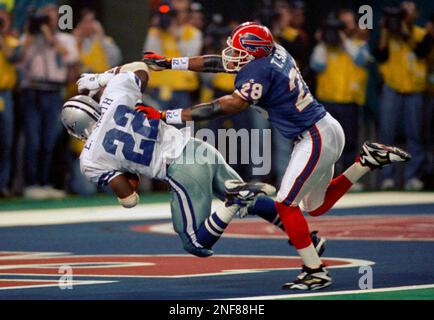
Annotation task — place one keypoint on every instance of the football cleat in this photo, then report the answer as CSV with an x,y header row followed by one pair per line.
x,y
242,193
310,279
318,242
376,155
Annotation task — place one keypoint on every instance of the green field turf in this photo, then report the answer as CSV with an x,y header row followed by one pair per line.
x,y
76,201
416,294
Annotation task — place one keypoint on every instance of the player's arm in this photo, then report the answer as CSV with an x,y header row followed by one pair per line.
x,y
125,190
207,63
91,83
226,105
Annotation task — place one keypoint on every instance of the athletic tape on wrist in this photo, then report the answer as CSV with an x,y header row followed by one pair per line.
x,y
174,116
130,201
180,63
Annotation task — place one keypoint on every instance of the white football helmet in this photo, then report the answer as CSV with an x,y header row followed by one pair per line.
x,y
79,116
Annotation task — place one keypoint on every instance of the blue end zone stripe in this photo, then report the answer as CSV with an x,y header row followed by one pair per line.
x,y
310,166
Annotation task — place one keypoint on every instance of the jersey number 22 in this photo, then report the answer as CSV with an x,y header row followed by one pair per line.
x,y
147,145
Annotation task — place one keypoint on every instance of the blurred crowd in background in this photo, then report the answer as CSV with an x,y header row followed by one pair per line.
x,y
39,65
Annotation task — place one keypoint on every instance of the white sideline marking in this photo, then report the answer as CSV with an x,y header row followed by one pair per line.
x,y
162,210
53,284
357,200
336,293
83,214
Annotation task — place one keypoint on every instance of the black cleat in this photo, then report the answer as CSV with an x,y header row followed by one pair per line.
x,y
376,155
310,279
318,242
242,193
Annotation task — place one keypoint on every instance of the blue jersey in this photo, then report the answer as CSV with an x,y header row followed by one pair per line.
x,y
275,85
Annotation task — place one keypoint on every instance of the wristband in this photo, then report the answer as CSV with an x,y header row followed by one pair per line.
x,y
180,63
174,116
130,201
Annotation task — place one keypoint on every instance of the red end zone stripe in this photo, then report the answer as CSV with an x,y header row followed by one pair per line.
x,y
23,283
358,227
155,265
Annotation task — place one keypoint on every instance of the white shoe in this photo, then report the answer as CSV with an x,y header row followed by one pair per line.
x,y
52,193
387,184
414,184
35,192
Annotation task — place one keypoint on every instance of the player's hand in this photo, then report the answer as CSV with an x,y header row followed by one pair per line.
x,y
90,83
151,112
156,62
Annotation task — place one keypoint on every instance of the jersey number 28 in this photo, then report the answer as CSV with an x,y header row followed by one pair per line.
x,y
304,98
147,145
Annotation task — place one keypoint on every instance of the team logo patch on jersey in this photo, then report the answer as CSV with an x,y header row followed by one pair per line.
x,y
253,43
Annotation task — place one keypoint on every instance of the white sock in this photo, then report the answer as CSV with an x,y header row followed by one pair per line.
x,y
226,214
310,257
355,172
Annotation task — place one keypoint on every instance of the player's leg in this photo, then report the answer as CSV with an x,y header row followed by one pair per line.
x,y
414,113
192,185
31,126
184,216
262,206
50,109
373,156
390,113
313,156
6,134
329,191
302,164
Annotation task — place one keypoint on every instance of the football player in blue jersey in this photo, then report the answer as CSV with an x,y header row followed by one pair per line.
x,y
268,78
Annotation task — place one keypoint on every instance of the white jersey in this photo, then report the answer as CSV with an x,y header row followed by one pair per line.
x,y
124,140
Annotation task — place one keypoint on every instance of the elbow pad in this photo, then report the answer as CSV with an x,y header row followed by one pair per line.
x,y
207,111
213,63
131,201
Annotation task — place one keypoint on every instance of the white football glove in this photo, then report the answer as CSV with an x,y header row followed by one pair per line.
x,y
90,83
